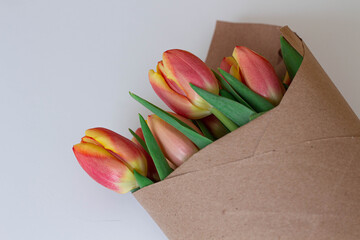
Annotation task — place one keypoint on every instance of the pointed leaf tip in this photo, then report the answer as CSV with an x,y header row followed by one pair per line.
x,y
257,102
291,57
142,180
233,110
230,89
140,141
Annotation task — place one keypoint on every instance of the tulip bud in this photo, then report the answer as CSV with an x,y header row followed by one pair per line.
x,y
287,79
138,132
176,147
229,65
214,125
110,159
171,83
258,74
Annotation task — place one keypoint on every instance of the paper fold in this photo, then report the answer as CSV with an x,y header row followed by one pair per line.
x,y
293,173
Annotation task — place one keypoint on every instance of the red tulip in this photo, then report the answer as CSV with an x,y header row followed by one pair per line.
x,y
110,159
258,74
171,83
176,147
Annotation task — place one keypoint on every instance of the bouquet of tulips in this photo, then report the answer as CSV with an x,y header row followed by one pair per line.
x,y
256,155
207,106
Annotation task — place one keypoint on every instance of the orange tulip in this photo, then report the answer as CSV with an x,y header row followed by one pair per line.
x,y
171,83
258,74
110,159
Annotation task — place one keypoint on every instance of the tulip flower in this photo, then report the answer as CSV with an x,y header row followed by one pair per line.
x,y
110,159
258,74
216,128
229,65
176,147
171,83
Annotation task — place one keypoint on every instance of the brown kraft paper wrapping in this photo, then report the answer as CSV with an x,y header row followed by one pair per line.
x,y
293,173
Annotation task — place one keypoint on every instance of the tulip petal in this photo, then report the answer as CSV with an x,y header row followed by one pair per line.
x,y
87,139
178,103
287,79
140,133
104,168
259,75
175,145
128,151
173,83
226,63
215,126
187,68
234,70
186,121
229,65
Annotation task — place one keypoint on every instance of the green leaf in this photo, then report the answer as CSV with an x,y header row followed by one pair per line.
x,y
142,180
134,190
256,115
258,103
292,58
227,122
204,130
227,86
142,143
235,111
199,140
158,157
226,94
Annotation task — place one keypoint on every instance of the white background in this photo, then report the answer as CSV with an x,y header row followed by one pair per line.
x,y
66,66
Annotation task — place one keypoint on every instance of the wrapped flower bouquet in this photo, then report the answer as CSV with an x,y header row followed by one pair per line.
x,y
245,155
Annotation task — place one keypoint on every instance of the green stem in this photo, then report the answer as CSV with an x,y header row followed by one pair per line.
x,y
225,120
